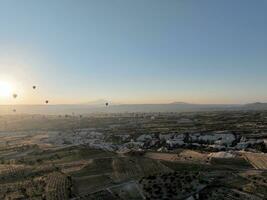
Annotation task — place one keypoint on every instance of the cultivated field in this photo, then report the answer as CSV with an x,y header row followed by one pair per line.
x,y
257,160
183,155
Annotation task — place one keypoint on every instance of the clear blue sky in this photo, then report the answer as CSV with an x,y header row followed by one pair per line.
x,y
135,51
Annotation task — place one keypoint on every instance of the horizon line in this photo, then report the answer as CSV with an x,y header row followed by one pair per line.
x,y
116,104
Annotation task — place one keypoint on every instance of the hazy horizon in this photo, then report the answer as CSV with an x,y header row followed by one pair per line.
x,y
96,103
133,52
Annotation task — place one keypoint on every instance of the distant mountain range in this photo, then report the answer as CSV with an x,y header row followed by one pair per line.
x,y
100,106
256,106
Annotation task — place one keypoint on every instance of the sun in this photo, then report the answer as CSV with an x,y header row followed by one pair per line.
x,y
6,89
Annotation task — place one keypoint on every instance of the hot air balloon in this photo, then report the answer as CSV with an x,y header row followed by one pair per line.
x,y
15,96
46,101
34,87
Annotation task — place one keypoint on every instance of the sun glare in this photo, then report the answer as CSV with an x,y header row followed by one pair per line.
x,y
5,89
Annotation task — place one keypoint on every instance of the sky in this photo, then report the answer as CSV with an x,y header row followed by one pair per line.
x,y
134,51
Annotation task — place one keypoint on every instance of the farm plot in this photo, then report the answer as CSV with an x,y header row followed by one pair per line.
x,y
99,195
58,186
194,156
161,156
95,167
130,167
230,163
257,160
185,156
71,167
88,184
30,189
14,172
